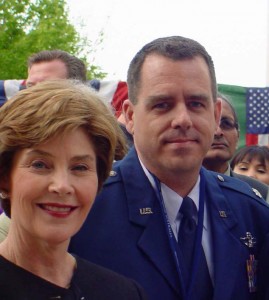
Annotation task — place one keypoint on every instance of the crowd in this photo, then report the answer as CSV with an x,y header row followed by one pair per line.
x,y
152,200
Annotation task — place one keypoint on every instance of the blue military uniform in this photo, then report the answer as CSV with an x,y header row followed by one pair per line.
x,y
125,231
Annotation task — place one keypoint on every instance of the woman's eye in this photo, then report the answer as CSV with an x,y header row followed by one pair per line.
x,y
80,168
38,165
243,168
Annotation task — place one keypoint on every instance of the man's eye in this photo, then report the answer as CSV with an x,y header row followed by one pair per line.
x,y
161,105
196,104
226,124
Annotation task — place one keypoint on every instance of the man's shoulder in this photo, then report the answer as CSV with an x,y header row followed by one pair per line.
x,y
261,187
234,187
127,169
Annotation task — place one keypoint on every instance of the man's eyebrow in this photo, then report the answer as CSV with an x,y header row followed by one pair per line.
x,y
160,97
199,96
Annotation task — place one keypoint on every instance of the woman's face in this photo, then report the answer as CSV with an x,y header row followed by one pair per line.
x,y
52,187
254,168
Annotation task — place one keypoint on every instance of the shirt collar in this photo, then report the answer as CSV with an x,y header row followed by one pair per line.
x,y
173,201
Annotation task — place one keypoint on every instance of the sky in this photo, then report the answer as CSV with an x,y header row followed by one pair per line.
x,y
234,32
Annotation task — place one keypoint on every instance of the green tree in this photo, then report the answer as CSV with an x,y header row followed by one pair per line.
x,y
29,26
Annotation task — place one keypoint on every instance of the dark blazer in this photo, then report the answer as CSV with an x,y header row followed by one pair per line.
x,y
89,282
256,184
125,232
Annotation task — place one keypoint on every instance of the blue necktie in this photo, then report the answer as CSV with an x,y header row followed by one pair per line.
x,y
202,289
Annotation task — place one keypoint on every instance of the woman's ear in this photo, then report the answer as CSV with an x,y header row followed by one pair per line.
x,y
4,185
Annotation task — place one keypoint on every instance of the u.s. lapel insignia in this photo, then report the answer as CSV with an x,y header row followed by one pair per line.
x,y
112,173
222,213
145,211
257,193
220,178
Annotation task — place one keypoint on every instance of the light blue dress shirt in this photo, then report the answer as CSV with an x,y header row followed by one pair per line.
x,y
172,202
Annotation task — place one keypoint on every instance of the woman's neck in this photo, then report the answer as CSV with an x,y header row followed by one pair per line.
x,y
50,262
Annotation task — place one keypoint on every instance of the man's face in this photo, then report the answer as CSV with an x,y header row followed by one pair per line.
x,y
175,117
46,70
225,140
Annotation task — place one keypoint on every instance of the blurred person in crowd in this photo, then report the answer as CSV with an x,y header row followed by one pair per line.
x,y
181,231
224,147
58,141
54,64
252,161
127,134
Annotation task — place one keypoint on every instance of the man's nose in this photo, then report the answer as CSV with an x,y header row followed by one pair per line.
x,y
181,117
218,132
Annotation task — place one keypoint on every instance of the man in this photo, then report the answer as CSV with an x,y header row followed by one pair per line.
x,y
54,64
142,224
224,146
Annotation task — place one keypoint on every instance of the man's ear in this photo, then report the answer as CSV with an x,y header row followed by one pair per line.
x,y
128,111
217,112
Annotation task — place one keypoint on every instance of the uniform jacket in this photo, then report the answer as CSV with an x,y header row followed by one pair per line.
x,y
125,232
256,184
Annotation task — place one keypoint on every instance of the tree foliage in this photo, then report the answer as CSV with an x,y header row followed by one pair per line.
x,y
29,26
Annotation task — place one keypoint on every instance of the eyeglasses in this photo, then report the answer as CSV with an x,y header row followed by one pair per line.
x,y
227,124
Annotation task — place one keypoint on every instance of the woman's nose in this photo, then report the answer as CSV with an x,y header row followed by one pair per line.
x,y
61,184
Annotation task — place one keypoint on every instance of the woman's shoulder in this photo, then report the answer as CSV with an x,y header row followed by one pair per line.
x,y
107,283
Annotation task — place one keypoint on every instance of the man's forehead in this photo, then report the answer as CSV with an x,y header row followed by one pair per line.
x,y
47,66
46,70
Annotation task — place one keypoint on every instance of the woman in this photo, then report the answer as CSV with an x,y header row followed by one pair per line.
x,y
57,144
252,161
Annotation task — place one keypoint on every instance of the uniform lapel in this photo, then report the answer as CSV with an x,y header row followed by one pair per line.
x,y
144,210
227,248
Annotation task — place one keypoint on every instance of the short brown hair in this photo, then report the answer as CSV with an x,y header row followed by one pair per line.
x,y
37,114
76,69
172,47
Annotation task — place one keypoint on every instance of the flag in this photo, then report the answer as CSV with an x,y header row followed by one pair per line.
x,y
257,116
112,92
252,108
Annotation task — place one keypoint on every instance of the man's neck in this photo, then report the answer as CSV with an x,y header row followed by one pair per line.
x,y
220,167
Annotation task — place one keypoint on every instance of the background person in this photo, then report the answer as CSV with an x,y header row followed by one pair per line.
x,y
54,64
252,161
161,218
57,146
224,147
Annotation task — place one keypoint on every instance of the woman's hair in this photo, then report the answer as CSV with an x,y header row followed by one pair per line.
x,y
49,108
249,152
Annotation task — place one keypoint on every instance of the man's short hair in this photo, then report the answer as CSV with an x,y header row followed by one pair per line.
x,y
172,47
76,69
